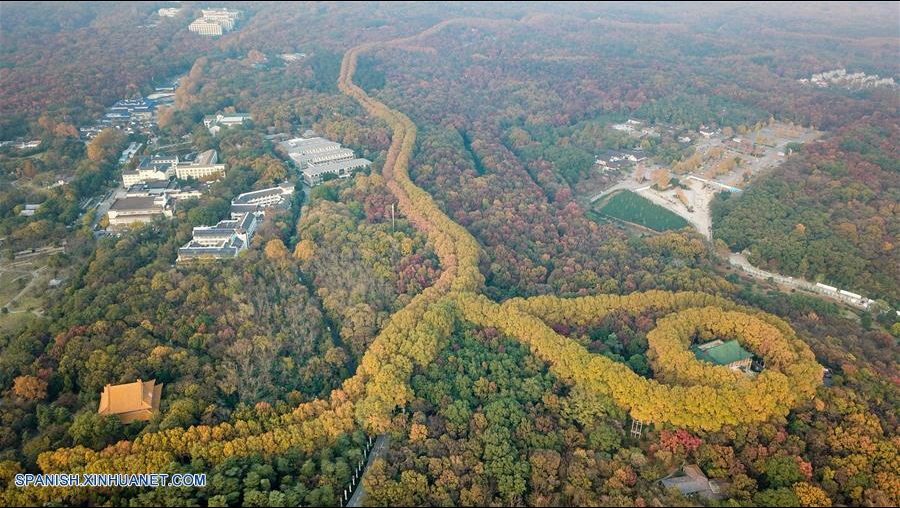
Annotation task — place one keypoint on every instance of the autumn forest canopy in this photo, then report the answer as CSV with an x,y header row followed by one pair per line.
x,y
591,254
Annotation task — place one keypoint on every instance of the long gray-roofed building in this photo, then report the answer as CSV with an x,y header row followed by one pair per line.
x,y
278,198
314,174
336,154
168,188
308,145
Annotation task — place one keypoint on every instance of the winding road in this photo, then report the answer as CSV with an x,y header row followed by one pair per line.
x,y
461,282
415,335
740,261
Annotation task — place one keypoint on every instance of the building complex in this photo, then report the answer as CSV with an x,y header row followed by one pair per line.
x,y
127,109
168,188
226,239
202,166
319,159
852,81
151,168
215,123
215,21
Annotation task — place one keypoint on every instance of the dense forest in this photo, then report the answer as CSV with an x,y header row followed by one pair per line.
x,y
836,200
456,298
364,265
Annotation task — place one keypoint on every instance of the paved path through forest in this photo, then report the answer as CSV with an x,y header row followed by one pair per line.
x,y
378,451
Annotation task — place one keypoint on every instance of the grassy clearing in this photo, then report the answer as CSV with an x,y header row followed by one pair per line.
x,y
10,323
630,207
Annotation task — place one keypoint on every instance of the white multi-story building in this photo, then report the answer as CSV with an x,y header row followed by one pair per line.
x,y
856,80
205,27
138,209
222,14
156,167
215,21
169,12
204,167
228,238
